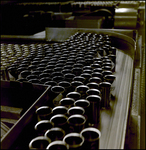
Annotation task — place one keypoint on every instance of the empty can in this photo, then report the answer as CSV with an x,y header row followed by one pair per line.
x,y
74,95
74,140
92,136
76,123
82,90
44,113
93,85
66,86
68,102
84,104
42,126
55,91
40,142
93,92
60,120
76,110
94,115
74,84
55,133
59,110
105,94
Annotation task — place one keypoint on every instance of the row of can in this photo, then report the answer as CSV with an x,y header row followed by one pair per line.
x,y
81,70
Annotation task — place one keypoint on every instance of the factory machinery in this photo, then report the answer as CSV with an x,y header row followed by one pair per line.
x,y
72,74
34,16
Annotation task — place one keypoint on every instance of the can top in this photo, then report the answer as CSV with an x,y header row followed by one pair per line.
x,y
57,89
55,132
34,143
43,125
76,120
91,134
82,103
74,140
44,110
76,110
58,143
93,98
105,84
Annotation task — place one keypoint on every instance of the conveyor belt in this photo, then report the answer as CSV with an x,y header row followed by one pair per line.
x,y
113,121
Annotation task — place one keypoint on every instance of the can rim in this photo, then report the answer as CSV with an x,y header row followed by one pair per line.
x,y
82,100
77,116
64,82
76,82
58,142
93,90
77,93
59,107
74,134
54,129
92,83
43,107
76,107
66,99
43,121
105,84
93,130
93,96
110,75
39,138
81,86
58,115
57,86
